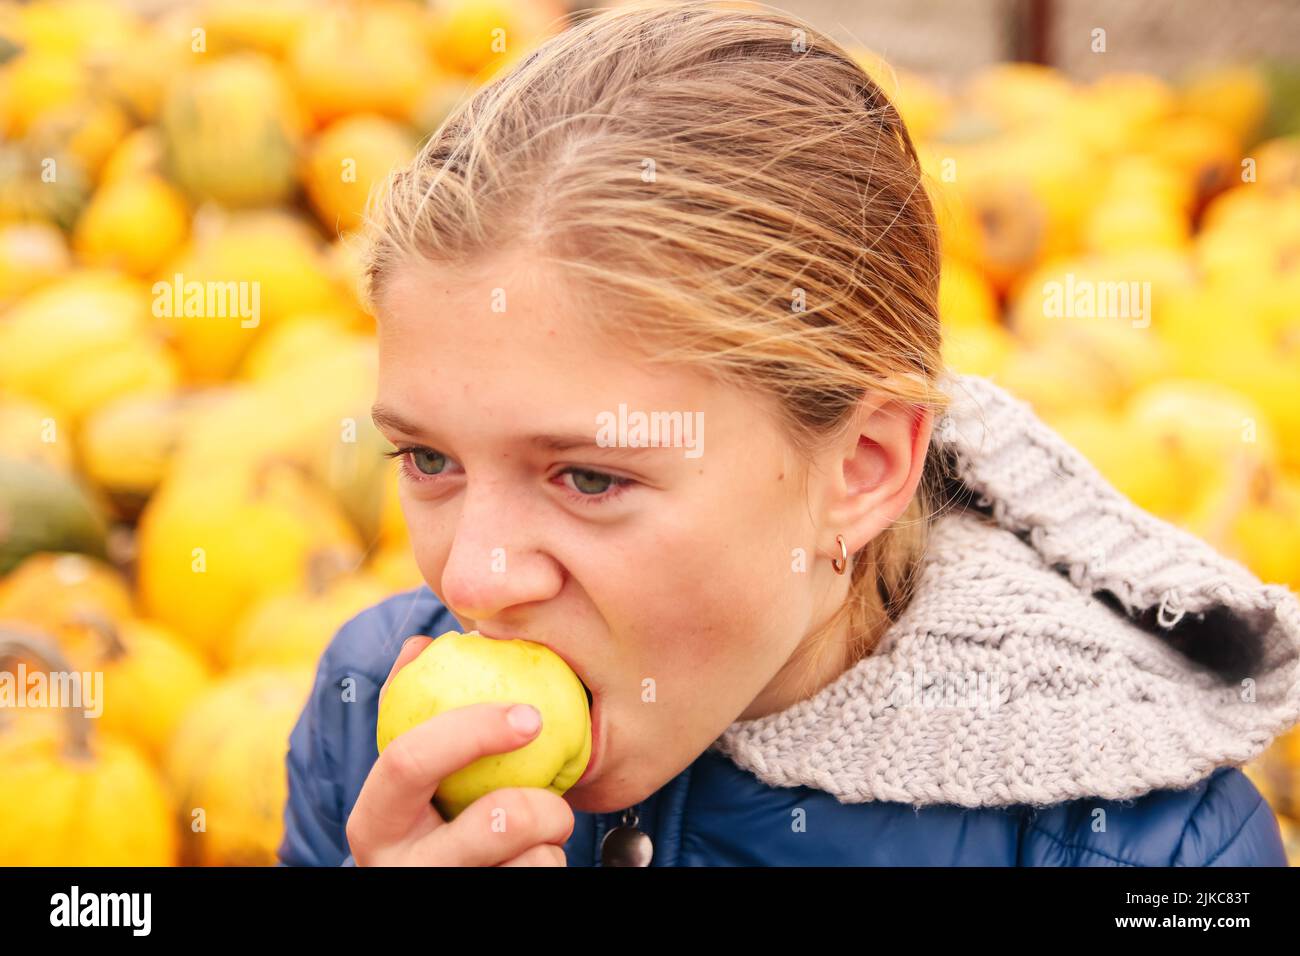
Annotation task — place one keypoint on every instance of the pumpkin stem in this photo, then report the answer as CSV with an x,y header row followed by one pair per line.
x,y
16,645
106,628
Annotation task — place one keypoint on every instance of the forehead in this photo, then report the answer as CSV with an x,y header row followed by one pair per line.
x,y
510,338
493,300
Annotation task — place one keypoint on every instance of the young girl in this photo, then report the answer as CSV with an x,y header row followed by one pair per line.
x,y
860,611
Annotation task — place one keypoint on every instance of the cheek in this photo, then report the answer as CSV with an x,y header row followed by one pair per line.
x,y
711,618
726,631
430,535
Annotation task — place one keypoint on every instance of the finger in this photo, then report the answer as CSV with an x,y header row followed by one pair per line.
x,y
396,794
501,825
548,854
409,652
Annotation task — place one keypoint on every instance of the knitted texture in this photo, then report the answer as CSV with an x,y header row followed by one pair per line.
x,y
1062,643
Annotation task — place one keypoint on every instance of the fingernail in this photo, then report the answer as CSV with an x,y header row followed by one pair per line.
x,y
524,718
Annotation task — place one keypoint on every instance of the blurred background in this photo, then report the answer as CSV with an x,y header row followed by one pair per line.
x,y
192,498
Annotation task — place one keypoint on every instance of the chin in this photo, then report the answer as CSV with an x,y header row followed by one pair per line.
x,y
597,796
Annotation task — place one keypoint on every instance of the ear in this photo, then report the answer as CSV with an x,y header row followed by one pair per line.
x,y
872,475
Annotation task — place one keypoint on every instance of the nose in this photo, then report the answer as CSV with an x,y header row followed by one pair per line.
x,y
496,560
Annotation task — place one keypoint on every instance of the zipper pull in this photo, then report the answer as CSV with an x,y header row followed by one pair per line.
x,y
625,845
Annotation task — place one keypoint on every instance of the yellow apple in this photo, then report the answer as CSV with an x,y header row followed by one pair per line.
x,y
457,670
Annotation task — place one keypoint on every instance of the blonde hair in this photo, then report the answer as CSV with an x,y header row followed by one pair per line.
x,y
736,194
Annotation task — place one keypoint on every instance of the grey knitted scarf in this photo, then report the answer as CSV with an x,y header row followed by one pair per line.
x,y
1062,643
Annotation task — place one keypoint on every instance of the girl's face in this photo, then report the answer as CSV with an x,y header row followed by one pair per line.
x,y
669,577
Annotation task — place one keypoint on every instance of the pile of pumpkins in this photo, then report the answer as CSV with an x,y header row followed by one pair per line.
x,y
186,511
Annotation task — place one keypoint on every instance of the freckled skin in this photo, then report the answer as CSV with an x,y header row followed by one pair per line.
x,y
685,578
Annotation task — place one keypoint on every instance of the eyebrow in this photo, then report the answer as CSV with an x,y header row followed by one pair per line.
x,y
385,417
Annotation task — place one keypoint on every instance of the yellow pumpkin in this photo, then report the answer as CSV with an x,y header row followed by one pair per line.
x,y
39,188
151,679
138,74
269,28
1125,223
55,591
133,224
30,254
33,432
977,349
1287,749
1017,201
289,416
1092,306
1019,93
87,130
73,797
140,153
360,58
36,84
1145,179
349,159
1116,108
965,297
1200,435
83,340
127,446
1235,97
232,129
480,38
1290,830
225,766
301,338
1266,537
1278,161
1206,154
275,266
1265,369
213,543
1277,773
294,629
83,28
1056,378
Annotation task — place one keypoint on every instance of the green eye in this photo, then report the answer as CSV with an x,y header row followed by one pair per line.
x,y
601,482
427,461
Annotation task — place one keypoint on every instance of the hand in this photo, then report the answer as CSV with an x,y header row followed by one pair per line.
x,y
395,824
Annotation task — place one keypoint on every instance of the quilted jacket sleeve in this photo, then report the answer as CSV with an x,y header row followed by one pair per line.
x,y
1221,821
1231,825
333,747
313,824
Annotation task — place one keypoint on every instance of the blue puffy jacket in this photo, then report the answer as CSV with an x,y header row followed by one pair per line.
x,y
715,814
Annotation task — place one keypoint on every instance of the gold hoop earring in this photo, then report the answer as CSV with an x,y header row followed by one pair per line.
x,y
842,562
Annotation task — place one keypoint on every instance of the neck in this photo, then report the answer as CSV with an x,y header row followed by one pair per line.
x,y
818,660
